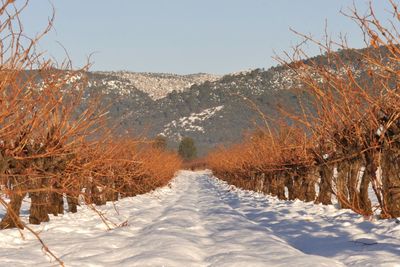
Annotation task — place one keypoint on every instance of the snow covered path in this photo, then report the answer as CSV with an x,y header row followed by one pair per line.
x,y
201,221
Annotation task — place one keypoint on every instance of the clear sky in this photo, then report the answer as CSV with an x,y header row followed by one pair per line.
x,y
185,36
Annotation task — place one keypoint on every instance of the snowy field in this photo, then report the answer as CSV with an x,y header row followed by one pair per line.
x,y
201,221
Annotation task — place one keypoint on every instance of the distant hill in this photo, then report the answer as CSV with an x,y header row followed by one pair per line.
x,y
212,112
210,109
156,85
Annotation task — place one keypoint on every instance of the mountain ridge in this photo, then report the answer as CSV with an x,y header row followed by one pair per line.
x,y
217,111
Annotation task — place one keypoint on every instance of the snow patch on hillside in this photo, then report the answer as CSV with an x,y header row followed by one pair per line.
x,y
156,85
191,123
110,84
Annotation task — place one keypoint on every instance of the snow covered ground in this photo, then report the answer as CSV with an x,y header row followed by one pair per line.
x,y
202,221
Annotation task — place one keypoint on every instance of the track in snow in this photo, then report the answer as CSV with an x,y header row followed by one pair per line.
x,y
200,221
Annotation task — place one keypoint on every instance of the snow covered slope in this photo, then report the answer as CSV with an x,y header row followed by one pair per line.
x,y
201,221
157,85
189,123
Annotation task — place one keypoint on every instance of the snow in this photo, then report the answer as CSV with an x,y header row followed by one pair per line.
x,y
188,123
158,85
199,220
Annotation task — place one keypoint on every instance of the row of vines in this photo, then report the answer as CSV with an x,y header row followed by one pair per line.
x,y
56,144
343,138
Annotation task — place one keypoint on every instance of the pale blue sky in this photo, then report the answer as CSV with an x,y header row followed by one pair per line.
x,y
185,36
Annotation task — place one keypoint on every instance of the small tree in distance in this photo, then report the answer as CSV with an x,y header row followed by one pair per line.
x,y
187,149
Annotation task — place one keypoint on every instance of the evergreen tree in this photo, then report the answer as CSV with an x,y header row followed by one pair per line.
x,y
187,149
